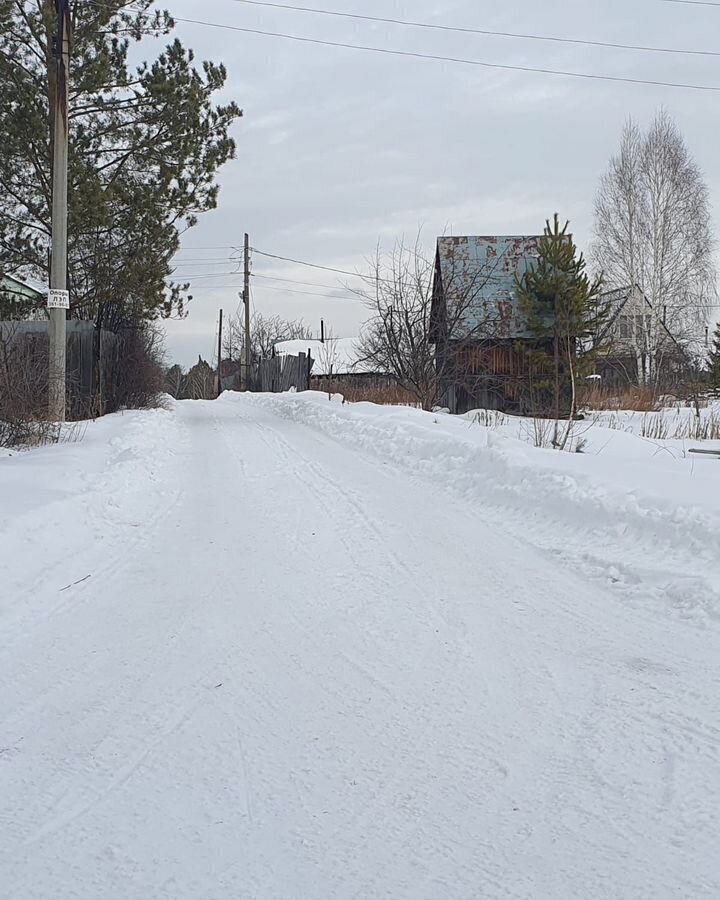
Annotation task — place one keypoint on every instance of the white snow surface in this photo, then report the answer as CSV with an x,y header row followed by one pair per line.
x,y
282,648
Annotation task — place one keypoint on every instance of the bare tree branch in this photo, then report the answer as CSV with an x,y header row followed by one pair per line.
x,y
653,236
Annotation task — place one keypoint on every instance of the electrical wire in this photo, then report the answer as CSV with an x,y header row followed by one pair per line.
x,y
409,54
300,262
216,275
693,2
460,29
368,278
293,281
200,264
206,261
307,293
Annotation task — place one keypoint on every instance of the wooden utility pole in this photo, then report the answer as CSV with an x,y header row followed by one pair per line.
x,y
219,356
58,297
246,300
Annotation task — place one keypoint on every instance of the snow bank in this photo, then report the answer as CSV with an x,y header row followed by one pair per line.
x,y
59,500
640,515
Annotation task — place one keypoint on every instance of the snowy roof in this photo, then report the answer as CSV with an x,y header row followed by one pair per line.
x,y
343,355
27,285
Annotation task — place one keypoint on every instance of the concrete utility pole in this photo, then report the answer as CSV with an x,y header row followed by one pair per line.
x,y
246,300
58,297
219,364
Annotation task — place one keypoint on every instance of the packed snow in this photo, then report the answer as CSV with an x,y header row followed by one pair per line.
x,y
288,648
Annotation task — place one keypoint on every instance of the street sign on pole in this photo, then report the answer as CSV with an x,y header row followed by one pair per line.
x,y
58,299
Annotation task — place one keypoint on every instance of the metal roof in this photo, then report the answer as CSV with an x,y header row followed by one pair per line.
x,y
478,272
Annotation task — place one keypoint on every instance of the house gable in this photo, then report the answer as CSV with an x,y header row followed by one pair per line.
x,y
21,299
477,274
629,308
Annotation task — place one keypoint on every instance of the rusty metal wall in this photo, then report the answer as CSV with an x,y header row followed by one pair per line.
x,y
478,273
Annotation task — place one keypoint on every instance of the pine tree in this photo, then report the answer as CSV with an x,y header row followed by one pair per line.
x,y
145,145
564,311
714,360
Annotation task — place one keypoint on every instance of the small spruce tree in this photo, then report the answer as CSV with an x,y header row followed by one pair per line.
x,y
565,314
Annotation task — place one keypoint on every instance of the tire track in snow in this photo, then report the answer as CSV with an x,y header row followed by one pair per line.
x,y
633,539
121,776
333,496
337,491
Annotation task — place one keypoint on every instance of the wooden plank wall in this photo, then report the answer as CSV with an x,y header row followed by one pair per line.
x,y
89,385
282,373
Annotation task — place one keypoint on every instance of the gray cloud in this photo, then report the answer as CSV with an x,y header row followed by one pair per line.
x,y
339,148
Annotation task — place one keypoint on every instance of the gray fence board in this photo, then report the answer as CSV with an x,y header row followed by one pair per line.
x,y
282,373
92,360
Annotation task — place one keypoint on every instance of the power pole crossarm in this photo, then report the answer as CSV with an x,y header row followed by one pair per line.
x,y
58,299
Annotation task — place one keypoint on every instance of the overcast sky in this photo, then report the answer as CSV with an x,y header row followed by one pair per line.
x,y
339,148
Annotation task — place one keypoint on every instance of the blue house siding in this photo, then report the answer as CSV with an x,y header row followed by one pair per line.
x,y
480,353
479,273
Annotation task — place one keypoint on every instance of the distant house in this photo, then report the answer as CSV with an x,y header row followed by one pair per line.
x,y
617,363
22,299
479,334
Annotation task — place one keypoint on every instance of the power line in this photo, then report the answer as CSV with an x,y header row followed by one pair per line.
x,y
409,54
216,275
201,249
368,278
694,2
207,259
300,262
184,263
307,293
293,281
223,287
460,29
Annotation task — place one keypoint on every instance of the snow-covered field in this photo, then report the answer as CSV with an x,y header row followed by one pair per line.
x,y
281,648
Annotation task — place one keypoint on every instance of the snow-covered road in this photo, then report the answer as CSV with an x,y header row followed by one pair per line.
x,y
241,660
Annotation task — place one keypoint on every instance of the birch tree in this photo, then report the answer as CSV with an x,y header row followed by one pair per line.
x,y
653,236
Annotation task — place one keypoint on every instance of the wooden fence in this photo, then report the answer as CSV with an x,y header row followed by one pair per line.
x,y
282,373
93,358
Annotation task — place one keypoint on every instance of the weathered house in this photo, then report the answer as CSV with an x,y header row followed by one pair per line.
x,y
481,339
624,348
22,299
